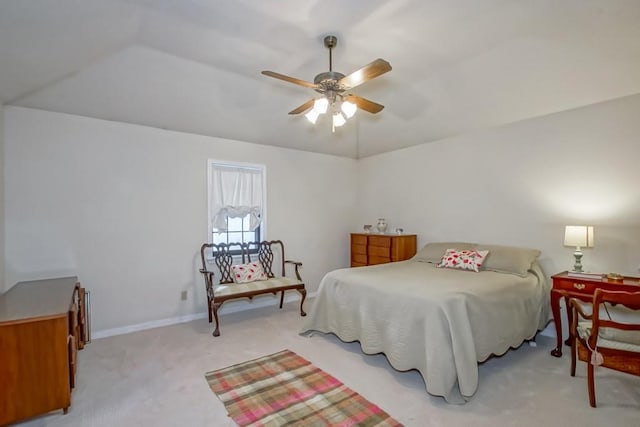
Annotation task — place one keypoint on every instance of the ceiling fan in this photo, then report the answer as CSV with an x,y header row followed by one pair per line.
x,y
334,87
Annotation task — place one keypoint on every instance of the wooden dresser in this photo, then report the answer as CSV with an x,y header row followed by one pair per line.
x,y
42,326
370,249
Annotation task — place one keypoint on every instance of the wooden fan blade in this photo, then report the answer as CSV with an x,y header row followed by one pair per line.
x,y
368,72
364,104
289,79
304,107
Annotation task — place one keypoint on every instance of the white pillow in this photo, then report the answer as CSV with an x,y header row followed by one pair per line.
x,y
245,273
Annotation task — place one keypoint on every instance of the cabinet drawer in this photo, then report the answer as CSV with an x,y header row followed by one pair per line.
x,y
576,285
358,240
359,258
359,249
378,260
379,251
381,241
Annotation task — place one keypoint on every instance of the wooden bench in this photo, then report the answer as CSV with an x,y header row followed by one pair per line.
x,y
221,256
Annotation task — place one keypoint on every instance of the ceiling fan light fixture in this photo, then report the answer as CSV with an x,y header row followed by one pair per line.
x,y
320,105
312,116
333,87
338,119
349,109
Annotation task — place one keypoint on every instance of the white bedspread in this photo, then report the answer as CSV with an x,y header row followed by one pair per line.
x,y
439,321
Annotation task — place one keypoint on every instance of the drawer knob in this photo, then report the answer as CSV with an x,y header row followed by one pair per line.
x,y
579,286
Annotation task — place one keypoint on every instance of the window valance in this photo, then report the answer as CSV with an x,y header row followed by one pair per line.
x,y
236,192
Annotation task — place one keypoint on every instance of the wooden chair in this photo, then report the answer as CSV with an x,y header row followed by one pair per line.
x,y
605,342
270,255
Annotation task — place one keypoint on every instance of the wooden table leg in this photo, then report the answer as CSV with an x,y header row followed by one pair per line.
x,y
557,319
569,321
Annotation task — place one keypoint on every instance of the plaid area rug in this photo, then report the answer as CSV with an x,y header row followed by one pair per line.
x,y
286,389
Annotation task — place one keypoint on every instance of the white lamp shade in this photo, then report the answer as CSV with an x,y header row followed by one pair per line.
x,y
312,116
320,105
338,119
349,109
579,236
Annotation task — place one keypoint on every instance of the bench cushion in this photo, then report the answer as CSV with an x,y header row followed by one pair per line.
x,y
258,286
612,338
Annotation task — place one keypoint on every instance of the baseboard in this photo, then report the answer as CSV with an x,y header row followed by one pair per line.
x,y
229,307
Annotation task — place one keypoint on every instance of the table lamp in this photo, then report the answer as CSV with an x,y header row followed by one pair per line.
x,y
580,236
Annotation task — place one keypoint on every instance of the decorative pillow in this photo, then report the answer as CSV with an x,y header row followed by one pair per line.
x,y
245,273
432,252
509,259
464,259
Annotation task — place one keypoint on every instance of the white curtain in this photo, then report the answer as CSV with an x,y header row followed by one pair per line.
x,y
235,193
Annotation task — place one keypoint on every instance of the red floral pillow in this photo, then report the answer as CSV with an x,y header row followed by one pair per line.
x,y
463,260
245,273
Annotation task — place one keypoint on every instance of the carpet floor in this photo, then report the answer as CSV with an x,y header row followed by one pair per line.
x,y
155,378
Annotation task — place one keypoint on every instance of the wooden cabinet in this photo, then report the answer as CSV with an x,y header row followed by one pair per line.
x,y
42,326
370,249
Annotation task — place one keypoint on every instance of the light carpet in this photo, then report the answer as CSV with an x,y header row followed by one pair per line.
x,y
155,378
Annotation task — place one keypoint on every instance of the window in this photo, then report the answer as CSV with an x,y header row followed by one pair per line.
x,y
236,202
238,231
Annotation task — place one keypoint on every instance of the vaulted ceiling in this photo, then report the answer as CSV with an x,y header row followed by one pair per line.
x,y
194,65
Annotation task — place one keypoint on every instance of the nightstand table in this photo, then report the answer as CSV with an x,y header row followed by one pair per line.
x,y
582,289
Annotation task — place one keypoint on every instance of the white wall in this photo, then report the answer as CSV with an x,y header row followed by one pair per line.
x,y
520,185
124,208
2,184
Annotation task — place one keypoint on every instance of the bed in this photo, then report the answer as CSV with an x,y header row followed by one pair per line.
x,y
439,321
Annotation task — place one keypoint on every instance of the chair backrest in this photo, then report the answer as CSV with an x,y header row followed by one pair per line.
x,y
628,299
270,253
266,252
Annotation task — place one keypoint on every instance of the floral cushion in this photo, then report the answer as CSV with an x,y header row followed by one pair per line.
x,y
245,273
465,259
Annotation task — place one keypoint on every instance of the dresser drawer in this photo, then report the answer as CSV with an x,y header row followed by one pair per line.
x,y
379,251
359,249
380,241
373,260
359,258
358,240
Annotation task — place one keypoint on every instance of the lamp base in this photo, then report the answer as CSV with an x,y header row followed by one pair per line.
x,y
577,267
